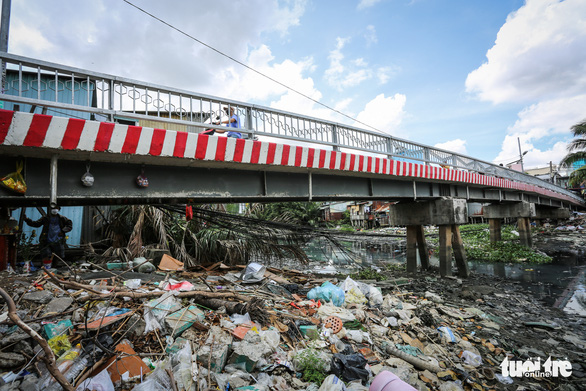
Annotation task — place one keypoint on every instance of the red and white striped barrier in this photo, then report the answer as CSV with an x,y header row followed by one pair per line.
x,y
45,131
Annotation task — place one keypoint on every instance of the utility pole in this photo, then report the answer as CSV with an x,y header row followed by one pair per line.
x,y
4,28
520,154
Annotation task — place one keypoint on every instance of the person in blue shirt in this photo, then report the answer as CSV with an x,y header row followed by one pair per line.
x,y
232,122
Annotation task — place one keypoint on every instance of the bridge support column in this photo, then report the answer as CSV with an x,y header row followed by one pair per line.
x,y
416,243
524,228
447,214
494,227
523,211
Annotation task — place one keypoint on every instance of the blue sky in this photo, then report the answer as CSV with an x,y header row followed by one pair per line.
x,y
470,76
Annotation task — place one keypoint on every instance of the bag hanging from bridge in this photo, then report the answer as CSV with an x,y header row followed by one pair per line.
x,y
142,180
87,179
14,181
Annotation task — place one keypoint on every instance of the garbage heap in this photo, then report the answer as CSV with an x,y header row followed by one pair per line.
x,y
241,328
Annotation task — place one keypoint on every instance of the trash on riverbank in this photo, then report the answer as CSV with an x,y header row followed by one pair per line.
x,y
253,327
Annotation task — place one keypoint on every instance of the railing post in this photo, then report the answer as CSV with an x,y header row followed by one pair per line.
x,y
390,149
111,100
249,122
427,156
335,137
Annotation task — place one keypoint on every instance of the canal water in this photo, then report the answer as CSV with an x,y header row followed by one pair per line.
x,y
561,284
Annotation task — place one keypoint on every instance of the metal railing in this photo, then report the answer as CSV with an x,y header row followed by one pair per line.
x,y
37,83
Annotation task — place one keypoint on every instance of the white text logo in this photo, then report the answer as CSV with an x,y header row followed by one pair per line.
x,y
534,368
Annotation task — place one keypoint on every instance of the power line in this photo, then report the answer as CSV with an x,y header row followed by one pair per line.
x,y
249,67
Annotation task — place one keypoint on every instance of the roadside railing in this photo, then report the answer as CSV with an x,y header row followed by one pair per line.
x,y
31,84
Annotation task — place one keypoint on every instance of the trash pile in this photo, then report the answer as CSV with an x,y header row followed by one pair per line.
x,y
149,325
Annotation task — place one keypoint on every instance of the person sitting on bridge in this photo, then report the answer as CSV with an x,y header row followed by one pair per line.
x,y
52,239
232,122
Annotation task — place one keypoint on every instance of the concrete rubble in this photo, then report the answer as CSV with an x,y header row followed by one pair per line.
x,y
253,327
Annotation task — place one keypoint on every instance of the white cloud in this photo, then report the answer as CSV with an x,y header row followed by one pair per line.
x,y
370,35
538,59
367,3
538,54
29,38
357,71
116,38
384,114
539,123
457,146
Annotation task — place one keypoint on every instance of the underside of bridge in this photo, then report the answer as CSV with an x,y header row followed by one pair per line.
x,y
196,181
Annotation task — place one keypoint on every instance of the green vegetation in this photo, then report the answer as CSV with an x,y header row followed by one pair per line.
x,y
300,213
368,274
346,228
312,367
577,155
477,244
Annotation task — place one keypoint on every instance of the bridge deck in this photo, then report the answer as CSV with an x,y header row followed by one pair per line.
x,y
214,159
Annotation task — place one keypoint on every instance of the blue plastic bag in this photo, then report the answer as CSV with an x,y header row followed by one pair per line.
x,y
327,292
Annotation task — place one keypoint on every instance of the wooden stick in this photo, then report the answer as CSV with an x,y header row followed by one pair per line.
x,y
49,355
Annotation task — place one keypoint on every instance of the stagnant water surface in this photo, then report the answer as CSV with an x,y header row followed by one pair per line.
x,y
561,284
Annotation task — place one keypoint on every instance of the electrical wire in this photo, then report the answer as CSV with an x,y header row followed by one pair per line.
x,y
250,68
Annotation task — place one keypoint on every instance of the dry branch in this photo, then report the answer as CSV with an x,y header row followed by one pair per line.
x,y
49,355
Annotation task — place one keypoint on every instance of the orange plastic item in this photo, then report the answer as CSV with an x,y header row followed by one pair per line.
x,y
334,323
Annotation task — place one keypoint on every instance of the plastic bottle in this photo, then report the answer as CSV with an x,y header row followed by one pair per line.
x,y
64,363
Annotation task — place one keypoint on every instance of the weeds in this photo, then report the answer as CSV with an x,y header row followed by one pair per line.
x,y
312,367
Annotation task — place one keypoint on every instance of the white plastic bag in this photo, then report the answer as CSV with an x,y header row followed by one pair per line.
x,y
471,359
100,382
332,383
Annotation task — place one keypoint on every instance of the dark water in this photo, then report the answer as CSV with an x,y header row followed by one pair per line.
x,y
561,284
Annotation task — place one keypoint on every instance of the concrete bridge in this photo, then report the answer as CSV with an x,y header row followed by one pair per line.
x,y
102,128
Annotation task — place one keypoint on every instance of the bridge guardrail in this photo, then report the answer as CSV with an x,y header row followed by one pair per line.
x,y
105,97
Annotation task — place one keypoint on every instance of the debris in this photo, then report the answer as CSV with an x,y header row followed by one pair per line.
x,y
257,328
168,263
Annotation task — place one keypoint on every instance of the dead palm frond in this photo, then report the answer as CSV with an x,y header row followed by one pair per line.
x,y
135,243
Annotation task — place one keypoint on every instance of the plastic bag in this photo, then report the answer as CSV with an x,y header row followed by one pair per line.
x,y
59,344
100,382
332,383
447,335
14,181
142,180
253,272
471,359
327,292
350,367
182,363
156,310
87,179
157,380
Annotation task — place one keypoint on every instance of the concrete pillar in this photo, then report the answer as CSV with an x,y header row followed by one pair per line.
x,y
524,227
544,212
459,252
495,234
445,250
522,211
447,213
412,248
416,244
422,247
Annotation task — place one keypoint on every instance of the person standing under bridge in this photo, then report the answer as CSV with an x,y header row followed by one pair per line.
x,y
232,122
52,239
